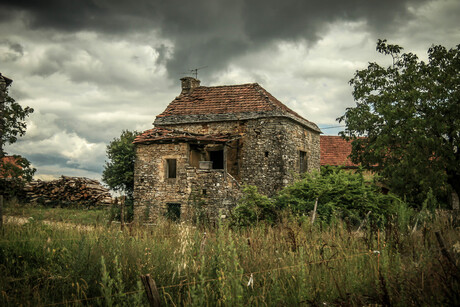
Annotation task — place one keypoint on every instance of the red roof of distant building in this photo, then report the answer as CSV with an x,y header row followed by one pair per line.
x,y
335,151
12,160
159,135
229,99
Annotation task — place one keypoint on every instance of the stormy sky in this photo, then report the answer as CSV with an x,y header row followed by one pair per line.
x,y
92,68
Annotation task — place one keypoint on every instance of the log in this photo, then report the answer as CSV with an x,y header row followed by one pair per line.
x,y
78,190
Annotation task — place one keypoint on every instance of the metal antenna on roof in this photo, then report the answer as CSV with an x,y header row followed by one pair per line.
x,y
195,71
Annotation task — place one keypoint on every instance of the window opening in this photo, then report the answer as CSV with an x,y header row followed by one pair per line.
x,y
196,155
173,211
171,168
266,154
303,162
217,158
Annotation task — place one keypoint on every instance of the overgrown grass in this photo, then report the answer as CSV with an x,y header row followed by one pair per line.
x,y
290,264
76,215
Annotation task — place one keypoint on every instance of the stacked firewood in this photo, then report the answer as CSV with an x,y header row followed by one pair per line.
x,y
67,191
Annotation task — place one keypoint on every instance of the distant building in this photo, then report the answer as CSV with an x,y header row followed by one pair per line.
x,y
9,166
335,151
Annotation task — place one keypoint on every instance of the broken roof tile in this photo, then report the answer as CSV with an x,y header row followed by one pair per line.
x,y
159,135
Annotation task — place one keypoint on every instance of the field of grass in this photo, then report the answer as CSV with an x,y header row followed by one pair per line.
x,y
92,216
289,264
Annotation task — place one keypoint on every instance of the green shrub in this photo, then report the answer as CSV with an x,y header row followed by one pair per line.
x,y
340,193
254,207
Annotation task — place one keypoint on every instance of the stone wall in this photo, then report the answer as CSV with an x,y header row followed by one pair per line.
x,y
152,190
267,155
268,152
271,152
213,192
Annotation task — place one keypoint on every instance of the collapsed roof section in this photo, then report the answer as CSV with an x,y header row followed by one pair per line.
x,y
163,135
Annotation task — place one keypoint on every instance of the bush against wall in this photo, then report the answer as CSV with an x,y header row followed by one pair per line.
x,y
340,194
254,207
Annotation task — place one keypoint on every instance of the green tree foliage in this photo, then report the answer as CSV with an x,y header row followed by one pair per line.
x,y
118,171
15,170
12,121
340,194
409,113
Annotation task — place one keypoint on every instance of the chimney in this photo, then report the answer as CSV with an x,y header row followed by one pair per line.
x,y
188,84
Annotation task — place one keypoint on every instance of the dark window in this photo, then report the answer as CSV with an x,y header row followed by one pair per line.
x,y
217,158
266,154
171,168
302,162
173,211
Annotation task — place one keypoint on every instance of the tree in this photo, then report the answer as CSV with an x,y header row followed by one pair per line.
x,y
409,113
13,170
118,171
12,117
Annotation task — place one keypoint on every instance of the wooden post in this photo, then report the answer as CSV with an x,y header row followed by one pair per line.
x,y
225,163
122,212
364,221
455,201
1,212
378,249
314,211
151,290
445,253
203,243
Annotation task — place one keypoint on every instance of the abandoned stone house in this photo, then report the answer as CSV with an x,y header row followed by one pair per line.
x,y
210,141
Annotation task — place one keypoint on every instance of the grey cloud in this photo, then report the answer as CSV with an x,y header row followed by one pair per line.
x,y
163,52
46,159
11,50
17,48
212,32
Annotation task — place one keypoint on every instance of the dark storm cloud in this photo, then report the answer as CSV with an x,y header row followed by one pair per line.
x,y
210,32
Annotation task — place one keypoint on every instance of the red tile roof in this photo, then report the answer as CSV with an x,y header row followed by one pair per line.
x,y
6,163
335,151
229,99
160,135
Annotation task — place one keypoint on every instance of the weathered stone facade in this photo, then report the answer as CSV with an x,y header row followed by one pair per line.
x,y
268,152
266,149
214,189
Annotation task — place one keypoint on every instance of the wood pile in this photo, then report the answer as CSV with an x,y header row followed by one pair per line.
x,y
66,191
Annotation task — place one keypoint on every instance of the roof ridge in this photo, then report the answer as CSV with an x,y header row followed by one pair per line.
x,y
265,95
230,85
213,102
